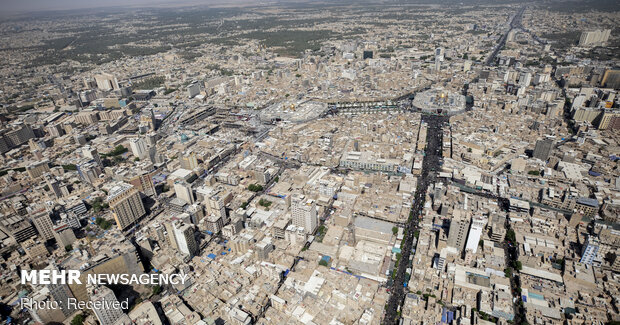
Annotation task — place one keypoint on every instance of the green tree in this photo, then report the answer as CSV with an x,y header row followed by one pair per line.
x,y
117,151
98,205
103,223
169,90
78,319
395,230
255,187
518,265
68,248
69,167
106,225
510,236
156,290
264,203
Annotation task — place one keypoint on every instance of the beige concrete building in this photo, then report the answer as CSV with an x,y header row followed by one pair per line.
x,y
124,199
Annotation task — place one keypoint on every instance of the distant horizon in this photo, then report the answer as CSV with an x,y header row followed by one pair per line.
x,y
17,7
21,7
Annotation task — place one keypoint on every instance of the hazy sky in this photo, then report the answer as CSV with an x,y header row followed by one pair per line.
x,y
11,6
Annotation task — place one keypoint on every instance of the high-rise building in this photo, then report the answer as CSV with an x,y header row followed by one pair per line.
x,y
590,250
304,213
525,79
18,228
102,295
138,147
64,235
37,169
61,294
44,225
87,96
5,145
215,204
184,191
595,37
53,186
606,119
151,138
106,81
213,223
439,56
184,234
124,199
457,234
19,134
467,65
475,232
55,130
193,90
543,149
87,118
170,235
611,78
120,257
148,118
189,160
89,171
91,153
35,249
143,181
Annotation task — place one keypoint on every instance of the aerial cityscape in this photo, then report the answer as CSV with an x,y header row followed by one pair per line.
x,y
310,162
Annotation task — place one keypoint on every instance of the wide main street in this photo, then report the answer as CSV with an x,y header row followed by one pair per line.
x,y
430,167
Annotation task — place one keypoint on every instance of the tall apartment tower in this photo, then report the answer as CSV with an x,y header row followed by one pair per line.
x,y
439,57
143,181
138,148
595,37
184,234
216,206
91,153
44,225
184,191
590,250
53,185
193,90
475,232
105,316
171,237
543,149
189,160
124,199
525,79
457,235
304,213
61,293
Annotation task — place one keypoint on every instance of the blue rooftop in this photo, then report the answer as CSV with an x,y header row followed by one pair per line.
x,y
588,201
